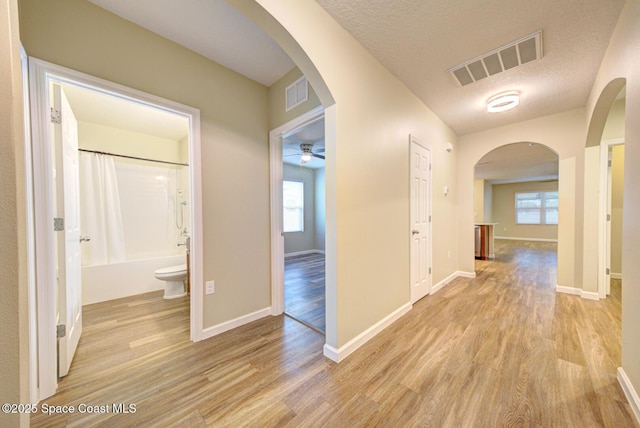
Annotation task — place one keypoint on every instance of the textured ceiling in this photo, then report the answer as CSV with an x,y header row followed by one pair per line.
x,y
418,40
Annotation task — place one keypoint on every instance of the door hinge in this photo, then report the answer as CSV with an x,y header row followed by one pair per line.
x,y
429,219
56,117
429,167
608,217
608,271
609,163
58,224
429,271
61,330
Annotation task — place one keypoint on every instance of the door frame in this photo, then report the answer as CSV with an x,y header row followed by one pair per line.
x,y
413,140
604,246
41,74
275,183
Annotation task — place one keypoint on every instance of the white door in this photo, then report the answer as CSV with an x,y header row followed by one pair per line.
x,y
66,179
420,170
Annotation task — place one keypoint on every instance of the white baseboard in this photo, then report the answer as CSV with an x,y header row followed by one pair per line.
x,y
615,275
629,392
348,348
450,278
302,253
577,292
466,274
237,322
511,238
590,295
568,290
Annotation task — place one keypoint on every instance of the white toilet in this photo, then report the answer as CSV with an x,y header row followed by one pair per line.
x,y
174,276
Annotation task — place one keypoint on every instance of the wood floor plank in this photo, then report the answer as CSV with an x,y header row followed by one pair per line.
x,y
304,289
502,349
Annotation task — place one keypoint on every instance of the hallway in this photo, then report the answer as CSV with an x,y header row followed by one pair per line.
x,y
503,349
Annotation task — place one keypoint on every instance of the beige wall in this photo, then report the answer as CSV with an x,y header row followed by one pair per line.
x,y
503,209
622,60
478,201
320,209
367,174
614,128
277,108
92,136
14,329
617,192
563,133
234,131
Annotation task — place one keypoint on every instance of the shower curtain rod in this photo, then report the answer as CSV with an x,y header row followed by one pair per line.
x,y
133,157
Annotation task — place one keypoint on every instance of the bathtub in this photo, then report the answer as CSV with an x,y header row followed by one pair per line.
x,y
116,280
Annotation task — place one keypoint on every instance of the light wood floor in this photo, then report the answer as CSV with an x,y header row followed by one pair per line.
x,y
500,350
304,293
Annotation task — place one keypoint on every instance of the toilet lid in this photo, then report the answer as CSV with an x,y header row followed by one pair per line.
x,y
172,269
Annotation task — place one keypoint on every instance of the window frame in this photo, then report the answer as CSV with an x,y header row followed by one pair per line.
x,y
543,197
300,207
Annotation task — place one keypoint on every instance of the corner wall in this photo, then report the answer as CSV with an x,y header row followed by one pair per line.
x,y
622,60
14,328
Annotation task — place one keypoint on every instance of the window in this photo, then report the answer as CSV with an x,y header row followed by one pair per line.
x,y
293,206
537,208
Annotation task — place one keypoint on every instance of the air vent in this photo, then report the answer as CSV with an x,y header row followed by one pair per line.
x,y
297,93
514,54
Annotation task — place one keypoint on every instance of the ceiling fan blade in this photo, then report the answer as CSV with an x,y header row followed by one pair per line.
x,y
317,155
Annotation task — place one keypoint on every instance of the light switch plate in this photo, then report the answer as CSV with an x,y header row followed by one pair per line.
x,y
210,287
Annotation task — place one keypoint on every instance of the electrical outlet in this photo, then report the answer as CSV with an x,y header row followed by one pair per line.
x,y
209,287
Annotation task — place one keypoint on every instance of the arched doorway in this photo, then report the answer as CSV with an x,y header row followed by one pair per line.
x,y
516,201
604,166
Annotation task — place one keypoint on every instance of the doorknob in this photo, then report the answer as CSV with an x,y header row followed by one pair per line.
x,y
85,238
415,232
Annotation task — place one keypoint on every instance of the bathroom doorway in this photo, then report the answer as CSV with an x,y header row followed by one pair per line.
x,y
138,188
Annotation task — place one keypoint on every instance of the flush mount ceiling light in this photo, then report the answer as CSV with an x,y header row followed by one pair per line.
x,y
503,101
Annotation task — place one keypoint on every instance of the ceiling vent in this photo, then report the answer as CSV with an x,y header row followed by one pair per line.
x,y
514,54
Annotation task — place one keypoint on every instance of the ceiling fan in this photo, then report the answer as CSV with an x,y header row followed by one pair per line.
x,y
306,153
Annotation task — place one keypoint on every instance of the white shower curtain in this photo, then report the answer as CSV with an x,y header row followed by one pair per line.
x,y
100,210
